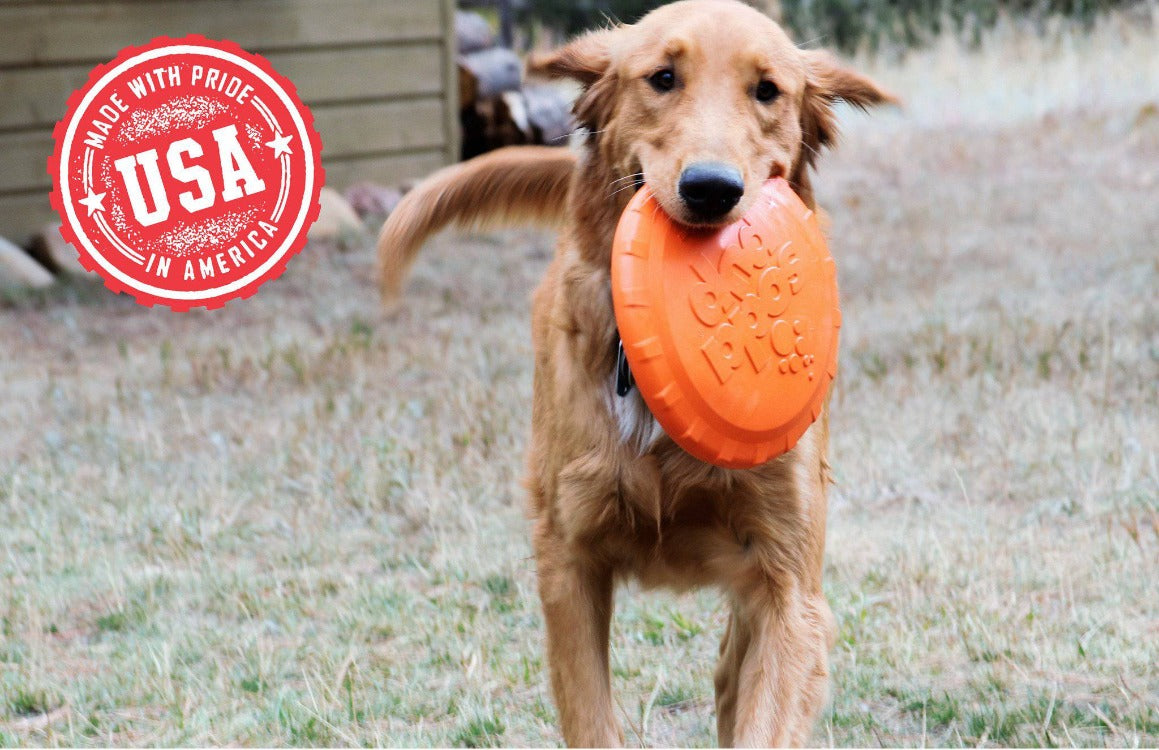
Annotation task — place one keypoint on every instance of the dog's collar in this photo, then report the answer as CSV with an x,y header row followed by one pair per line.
x,y
624,379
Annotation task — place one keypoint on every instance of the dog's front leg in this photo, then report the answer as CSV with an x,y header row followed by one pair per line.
x,y
773,670
577,606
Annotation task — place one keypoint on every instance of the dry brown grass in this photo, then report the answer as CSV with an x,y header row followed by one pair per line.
x,y
290,521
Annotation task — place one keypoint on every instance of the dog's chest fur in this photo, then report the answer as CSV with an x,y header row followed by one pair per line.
x,y
638,429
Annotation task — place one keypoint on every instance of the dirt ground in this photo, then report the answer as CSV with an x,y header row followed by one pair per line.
x,y
294,521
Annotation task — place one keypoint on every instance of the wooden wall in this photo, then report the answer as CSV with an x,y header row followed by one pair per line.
x,y
377,74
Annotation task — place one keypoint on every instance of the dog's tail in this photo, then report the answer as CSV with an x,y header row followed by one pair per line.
x,y
512,185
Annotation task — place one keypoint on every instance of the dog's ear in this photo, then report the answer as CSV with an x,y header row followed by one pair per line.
x,y
827,82
585,59
829,79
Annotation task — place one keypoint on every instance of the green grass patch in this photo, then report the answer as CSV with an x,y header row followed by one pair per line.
x,y
481,731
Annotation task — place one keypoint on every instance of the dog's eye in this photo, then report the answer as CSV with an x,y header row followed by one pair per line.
x,y
663,80
767,91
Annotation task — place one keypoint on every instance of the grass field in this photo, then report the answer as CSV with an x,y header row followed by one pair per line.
x,y
294,522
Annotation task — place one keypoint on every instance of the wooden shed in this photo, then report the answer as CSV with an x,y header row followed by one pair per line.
x,y
378,75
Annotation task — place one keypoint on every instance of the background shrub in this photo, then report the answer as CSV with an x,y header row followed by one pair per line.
x,y
844,24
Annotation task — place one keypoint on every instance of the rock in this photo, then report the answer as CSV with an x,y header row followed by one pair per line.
x,y
17,268
549,113
57,254
496,70
771,8
371,200
472,32
337,221
1148,113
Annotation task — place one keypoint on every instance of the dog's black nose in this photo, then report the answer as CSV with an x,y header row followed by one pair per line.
x,y
710,190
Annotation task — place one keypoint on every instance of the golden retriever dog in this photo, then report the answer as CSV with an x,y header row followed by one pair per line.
x,y
702,100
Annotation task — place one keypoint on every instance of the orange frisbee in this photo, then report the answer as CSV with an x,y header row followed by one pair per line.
x,y
731,333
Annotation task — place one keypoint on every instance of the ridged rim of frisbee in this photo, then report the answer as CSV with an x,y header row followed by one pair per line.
x,y
649,344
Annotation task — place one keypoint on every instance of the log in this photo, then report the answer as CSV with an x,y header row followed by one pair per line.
x,y
490,125
468,89
56,254
369,199
17,268
516,110
337,220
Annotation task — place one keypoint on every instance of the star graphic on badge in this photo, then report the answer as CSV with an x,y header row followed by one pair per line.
x,y
281,145
93,202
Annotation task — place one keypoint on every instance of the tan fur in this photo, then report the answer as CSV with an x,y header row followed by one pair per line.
x,y
525,183
603,507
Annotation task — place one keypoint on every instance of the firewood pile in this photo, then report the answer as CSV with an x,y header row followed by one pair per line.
x,y
496,107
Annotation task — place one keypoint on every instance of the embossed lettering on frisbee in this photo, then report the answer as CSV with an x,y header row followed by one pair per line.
x,y
186,172
731,334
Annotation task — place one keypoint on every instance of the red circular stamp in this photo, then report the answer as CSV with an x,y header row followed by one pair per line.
x,y
186,172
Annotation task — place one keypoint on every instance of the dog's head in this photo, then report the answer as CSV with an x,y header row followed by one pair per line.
x,y
704,100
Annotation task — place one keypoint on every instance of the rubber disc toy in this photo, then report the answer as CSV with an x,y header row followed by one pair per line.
x,y
731,333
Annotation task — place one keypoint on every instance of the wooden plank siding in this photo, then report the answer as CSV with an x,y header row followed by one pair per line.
x,y
21,214
378,75
47,32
